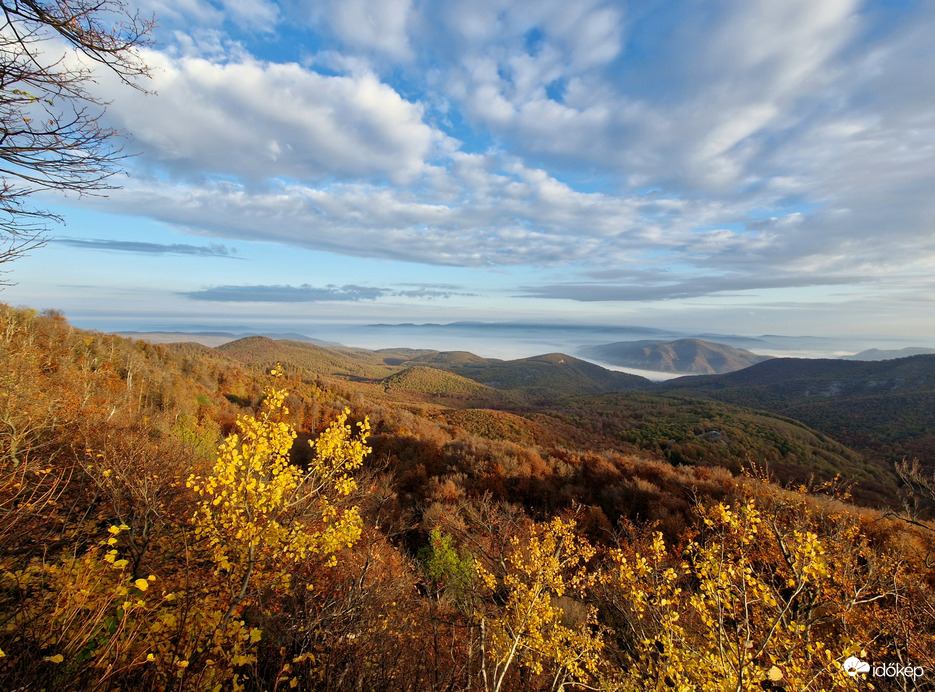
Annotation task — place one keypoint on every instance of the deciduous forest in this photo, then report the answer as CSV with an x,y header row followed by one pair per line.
x,y
175,518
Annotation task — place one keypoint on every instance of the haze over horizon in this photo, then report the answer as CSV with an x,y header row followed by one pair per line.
x,y
733,167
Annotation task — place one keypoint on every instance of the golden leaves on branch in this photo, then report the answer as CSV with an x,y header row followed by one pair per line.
x,y
754,600
259,513
546,572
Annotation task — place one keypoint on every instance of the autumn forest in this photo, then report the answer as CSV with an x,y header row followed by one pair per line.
x,y
173,517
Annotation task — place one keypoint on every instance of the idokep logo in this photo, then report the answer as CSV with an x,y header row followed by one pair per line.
x,y
853,665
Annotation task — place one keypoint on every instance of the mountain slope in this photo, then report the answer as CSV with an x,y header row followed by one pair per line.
x,y
264,352
886,408
433,381
689,356
551,376
711,433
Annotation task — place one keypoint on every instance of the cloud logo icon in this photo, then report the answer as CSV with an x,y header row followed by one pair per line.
x,y
854,665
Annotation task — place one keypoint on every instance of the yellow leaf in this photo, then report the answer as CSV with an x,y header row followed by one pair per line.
x,y
57,658
141,584
255,635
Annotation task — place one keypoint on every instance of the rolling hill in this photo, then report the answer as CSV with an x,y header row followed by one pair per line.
x,y
349,362
689,356
546,376
425,380
798,415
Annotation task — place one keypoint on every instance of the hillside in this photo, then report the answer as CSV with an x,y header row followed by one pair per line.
x,y
503,425
265,353
565,400
689,356
883,408
427,380
878,409
886,421
694,431
547,376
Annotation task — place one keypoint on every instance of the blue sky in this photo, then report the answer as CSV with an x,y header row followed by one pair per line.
x,y
745,166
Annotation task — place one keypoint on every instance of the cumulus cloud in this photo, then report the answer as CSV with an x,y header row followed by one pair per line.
x,y
255,120
255,15
252,15
469,216
692,113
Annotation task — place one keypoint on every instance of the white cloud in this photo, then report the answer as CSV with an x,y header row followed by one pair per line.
x,y
551,79
252,15
256,120
378,26
483,212
754,137
178,11
255,15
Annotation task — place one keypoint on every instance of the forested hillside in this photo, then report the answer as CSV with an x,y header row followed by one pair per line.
x,y
884,409
186,518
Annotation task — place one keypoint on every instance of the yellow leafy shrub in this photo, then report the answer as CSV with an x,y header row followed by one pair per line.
x,y
258,513
754,602
544,571
93,612
257,516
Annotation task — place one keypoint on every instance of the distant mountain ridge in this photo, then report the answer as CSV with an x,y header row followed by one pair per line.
x,y
889,354
804,377
217,338
687,356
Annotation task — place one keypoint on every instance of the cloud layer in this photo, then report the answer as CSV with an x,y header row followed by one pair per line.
x,y
212,250
312,294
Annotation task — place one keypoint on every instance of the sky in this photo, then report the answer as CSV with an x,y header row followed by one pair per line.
x,y
736,166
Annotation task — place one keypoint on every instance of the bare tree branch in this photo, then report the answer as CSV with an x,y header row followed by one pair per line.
x,y
51,134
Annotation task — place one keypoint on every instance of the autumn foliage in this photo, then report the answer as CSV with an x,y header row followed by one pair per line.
x,y
172,519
